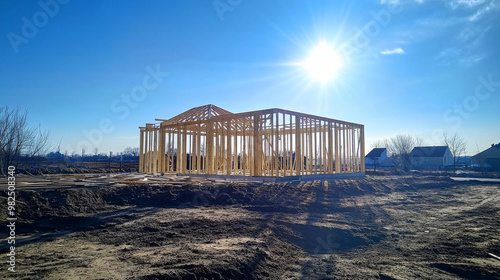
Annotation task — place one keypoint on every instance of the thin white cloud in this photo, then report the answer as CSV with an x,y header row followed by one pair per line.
x,y
393,51
461,27
479,13
394,2
466,3
447,56
473,59
473,19
472,36
463,56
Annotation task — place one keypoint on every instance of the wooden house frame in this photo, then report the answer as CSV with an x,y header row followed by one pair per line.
x,y
211,140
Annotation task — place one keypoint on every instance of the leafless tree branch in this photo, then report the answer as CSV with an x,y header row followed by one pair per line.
x,y
457,146
18,138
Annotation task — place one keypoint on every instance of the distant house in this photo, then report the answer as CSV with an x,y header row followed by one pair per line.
x,y
431,157
376,156
489,158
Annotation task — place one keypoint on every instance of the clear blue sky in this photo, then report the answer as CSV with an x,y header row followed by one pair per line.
x,y
406,66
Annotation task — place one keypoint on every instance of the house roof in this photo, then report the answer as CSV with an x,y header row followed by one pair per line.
x,y
377,152
203,116
492,152
197,114
429,151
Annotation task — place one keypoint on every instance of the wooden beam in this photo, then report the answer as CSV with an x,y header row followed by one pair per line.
x,y
192,143
161,151
222,154
362,136
171,151
310,147
273,146
235,151
299,161
198,149
337,149
291,147
155,151
349,149
330,148
229,155
257,146
184,151
141,150
303,145
149,163
344,151
179,152
210,148
315,149
244,153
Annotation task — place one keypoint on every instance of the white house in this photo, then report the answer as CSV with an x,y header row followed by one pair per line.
x,y
376,155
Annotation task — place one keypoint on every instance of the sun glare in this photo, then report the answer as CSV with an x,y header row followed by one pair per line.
x,y
323,63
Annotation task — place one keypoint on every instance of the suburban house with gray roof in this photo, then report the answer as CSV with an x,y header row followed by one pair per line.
x,y
488,159
376,156
431,157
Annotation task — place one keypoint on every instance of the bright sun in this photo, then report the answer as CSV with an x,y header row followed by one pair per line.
x,y
323,63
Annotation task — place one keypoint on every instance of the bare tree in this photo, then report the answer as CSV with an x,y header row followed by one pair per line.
x,y
419,141
400,147
131,151
17,137
379,144
39,144
457,146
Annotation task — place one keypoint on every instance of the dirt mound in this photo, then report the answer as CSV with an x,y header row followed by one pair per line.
x,y
377,227
282,197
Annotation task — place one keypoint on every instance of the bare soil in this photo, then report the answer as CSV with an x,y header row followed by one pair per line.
x,y
404,226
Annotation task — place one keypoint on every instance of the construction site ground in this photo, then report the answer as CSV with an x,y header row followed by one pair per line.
x,y
137,226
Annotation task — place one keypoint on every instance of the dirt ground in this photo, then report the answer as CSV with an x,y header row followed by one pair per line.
x,y
404,226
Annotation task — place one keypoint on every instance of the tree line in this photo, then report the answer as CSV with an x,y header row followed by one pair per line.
x,y
21,142
19,138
